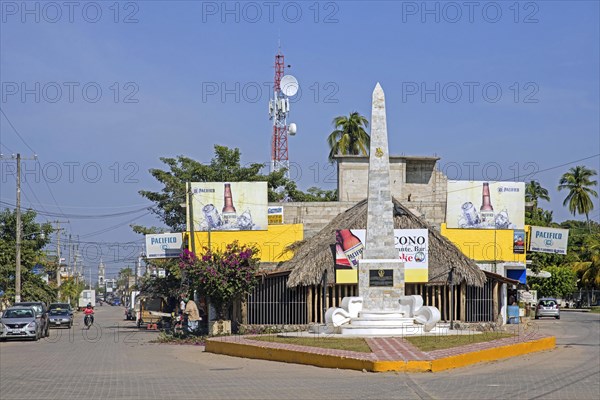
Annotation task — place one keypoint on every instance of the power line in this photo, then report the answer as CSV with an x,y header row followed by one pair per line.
x,y
81,216
7,148
114,226
38,162
52,194
34,195
16,131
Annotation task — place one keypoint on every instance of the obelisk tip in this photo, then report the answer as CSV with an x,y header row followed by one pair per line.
x,y
378,92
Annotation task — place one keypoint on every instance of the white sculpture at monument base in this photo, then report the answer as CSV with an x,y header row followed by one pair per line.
x,y
410,318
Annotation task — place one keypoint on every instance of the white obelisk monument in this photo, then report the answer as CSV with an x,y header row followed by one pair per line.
x,y
380,272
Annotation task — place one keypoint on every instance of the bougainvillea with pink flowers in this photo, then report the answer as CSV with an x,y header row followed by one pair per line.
x,y
224,274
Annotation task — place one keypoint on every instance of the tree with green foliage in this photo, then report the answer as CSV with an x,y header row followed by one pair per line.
x,y
578,182
562,282
535,191
224,167
349,136
123,277
539,217
588,269
70,289
35,237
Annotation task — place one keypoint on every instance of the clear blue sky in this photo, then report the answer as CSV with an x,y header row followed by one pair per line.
x,y
502,89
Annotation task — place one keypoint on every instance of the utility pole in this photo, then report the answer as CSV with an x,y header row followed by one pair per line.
x,y
138,268
80,272
191,214
58,229
75,271
18,227
18,239
69,265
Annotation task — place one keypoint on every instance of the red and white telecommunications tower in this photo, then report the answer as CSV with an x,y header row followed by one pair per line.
x,y
279,108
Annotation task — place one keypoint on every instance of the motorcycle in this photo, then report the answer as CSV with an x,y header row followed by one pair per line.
x,y
180,327
88,320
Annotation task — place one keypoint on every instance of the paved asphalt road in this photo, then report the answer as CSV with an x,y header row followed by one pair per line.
x,y
113,360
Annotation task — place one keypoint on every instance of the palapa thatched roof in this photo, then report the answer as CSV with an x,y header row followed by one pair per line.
x,y
315,254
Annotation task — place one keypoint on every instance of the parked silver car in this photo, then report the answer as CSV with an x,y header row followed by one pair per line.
x,y
60,318
41,313
20,322
547,307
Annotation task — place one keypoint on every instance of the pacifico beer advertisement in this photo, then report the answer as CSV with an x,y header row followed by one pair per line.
x,y
229,206
485,205
412,245
549,240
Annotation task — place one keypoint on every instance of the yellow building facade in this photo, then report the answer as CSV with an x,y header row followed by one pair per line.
x,y
271,242
484,245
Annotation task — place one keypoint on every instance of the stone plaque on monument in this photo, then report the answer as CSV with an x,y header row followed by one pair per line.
x,y
381,277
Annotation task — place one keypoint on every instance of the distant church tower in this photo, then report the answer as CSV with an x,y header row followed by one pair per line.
x,y
101,274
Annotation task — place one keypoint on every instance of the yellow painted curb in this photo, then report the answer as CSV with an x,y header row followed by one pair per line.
x,y
256,351
401,366
284,355
493,354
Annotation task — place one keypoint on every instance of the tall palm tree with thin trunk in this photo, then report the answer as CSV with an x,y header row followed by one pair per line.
x,y
578,182
349,136
535,191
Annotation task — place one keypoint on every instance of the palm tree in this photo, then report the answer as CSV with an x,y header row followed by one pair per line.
x,y
589,268
577,181
349,136
535,191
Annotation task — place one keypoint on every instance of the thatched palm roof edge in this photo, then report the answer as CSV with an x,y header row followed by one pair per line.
x,y
313,255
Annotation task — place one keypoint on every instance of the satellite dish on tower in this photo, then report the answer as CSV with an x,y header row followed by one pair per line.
x,y
292,129
289,85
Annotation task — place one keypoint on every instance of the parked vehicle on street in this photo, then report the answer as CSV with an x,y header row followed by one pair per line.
x,y
61,306
149,309
547,307
20,322
130,313
41,313
86,297
60,318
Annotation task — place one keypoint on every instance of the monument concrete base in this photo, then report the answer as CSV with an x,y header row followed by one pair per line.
x,y
380,283
409,317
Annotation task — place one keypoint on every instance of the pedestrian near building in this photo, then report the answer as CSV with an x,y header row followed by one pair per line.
x,y
191,310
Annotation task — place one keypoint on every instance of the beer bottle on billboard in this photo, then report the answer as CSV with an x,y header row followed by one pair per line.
x,y
352,246
229,213
340,257
486,212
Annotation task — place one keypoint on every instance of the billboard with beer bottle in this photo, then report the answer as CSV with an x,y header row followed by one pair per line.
x,y
229,206
485,205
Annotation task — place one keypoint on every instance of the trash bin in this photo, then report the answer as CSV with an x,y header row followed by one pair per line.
x,y
513,314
